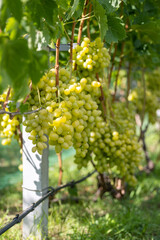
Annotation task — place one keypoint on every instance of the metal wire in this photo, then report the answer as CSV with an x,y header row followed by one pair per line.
x,y
18,218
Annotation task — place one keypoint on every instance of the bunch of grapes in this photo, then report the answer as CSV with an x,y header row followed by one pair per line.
x,y
69,113
149,105
90,56
8,126
114,145
63,118
153,82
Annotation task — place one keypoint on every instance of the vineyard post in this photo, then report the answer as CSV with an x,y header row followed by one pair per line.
x,y
35,185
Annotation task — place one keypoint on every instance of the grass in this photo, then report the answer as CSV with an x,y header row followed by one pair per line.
x,y
135,217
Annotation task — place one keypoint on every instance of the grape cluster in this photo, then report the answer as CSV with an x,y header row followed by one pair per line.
x,y
149,106
71,114
153,82
114,145
90,56
65,118
8,126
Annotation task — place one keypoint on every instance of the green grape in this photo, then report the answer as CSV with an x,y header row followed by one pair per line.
x,y
91,56
8,126
151,103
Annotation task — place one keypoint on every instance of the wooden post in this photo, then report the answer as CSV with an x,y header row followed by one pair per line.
x,y
35,183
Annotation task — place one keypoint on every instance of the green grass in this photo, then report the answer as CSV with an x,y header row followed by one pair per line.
x,y
135,217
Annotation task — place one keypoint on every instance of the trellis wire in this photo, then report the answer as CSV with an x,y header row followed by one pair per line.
x,y
18,218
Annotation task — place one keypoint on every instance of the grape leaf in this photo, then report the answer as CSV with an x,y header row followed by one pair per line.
x,y
70,13
15,8
12,27
4,14
38,65
149,31
100,14
107,5
63,4
23,107
14,65
42,9
49,10
116,30
110,6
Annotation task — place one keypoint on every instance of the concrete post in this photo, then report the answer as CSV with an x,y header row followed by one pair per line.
x,y
35,183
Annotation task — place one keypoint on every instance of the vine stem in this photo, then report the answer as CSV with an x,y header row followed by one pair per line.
x,y
7,98
57,85
119,68
88,22
111,69
71,46
26,98
57,65
12,114
100,174
128,82
82,22
20,135
144,98
110,48
81,26
102,98
60,168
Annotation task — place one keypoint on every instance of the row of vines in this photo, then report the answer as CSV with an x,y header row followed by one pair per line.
x,y
93,97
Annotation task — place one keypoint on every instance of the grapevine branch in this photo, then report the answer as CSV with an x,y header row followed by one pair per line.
x,y
57,66
81,26
128,82
105,185
150,165
82,22
100,174
110,48
20,135
111,69
7,98
60,168
71,45
102,98
12,114
88,22
119,68
57,85
30,87
144,99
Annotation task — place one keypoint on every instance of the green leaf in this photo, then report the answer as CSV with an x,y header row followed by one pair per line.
x,y
116,30
12,106
78,13
110,6
4,14
100,14
62,4
42,10
149,32
12,27
38,65
72,10
23,107
14,65
15,7
49,9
